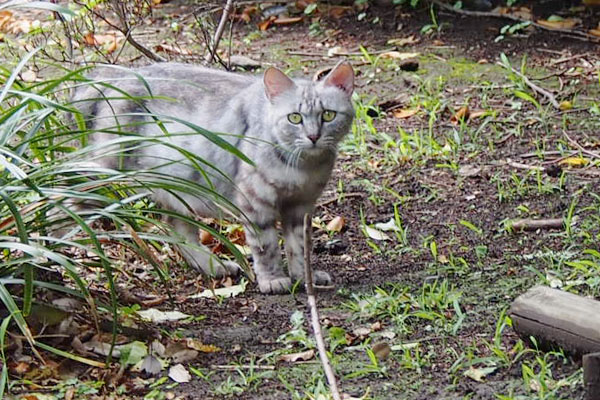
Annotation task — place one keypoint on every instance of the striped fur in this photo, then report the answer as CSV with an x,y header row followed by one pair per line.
x,y
289,171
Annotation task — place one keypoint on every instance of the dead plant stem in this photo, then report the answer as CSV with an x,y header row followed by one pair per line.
x,y
314,312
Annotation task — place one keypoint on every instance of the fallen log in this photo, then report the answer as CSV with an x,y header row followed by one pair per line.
x,y
557,319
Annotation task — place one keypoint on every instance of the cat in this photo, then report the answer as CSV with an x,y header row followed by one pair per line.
x,y
289,128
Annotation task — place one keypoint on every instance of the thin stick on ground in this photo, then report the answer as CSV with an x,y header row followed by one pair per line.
x,y
314,312
551,98
219,32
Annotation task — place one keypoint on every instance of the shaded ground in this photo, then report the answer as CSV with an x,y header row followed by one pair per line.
x,y
451,268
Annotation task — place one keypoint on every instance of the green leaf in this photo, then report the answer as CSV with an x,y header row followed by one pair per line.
x,y
132,353
310,8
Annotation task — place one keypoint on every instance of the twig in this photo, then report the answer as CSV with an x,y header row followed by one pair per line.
x,y
535,87
236,367
519,165
314,312
126,30
580,147
535,224
342,196
219,32
574,34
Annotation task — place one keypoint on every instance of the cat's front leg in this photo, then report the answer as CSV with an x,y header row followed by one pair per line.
x,y
293,231
262,237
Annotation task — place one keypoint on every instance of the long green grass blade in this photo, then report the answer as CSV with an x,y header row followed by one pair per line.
x,y
27,267
4,376
70,356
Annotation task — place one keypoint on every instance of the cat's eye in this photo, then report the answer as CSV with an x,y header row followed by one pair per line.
x,y
295,118
328,115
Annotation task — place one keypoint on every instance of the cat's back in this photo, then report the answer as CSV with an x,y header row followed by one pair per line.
x,y
179,79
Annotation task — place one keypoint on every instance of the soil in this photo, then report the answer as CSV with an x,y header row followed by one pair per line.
x,y
433,202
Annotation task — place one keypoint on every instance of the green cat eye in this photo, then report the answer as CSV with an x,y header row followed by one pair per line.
x,y
328,115
295,118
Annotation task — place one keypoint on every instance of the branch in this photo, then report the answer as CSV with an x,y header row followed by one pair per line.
x,y
219,32
535,224
314,312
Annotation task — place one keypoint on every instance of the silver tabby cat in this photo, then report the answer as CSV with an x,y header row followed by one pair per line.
x,y
289,128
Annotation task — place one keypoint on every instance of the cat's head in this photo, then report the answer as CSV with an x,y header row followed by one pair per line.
x,y
310,116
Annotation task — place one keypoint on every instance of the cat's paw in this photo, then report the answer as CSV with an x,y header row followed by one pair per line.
x,y
322,278
277,285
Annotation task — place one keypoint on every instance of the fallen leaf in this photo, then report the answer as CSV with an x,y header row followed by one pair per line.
x,y
376,234
246,15
338,12
396,55
184,356
595,32
403,113
28,76
132,353
468,171
336,224
462,115
287,20
387,226
565,105
204,348
6,17
575,162
154,315
205,237
175,50
231,291
336,51
264,25
478,114
520,12
295,357
151,365
381,350
179,374
559,23
477,374
400,42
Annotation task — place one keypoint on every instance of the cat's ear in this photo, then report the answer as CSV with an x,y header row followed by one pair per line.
x,y
276,83
342,77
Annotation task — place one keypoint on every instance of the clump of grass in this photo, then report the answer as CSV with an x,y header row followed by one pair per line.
x,y
44,173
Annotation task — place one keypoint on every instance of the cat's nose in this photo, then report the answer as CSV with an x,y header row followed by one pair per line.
x,y
314,138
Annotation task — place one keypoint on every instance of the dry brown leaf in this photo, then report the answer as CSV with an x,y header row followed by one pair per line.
x,y
201,347
287,20
396,55
564,23
595,32
336,224
302,4
477,114
338,12
165,48
6,17
403,113
295,357
205,237
520,12
246,15
381,350
400,42
264,25
461,115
